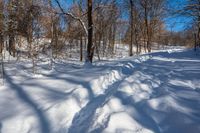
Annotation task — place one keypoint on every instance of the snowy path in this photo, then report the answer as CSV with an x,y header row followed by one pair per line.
x,y
85,117
150,93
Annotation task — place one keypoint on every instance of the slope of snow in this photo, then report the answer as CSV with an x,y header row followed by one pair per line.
x,y
157,92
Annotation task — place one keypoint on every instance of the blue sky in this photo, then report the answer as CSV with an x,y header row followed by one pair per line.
x,y
174,23
64,3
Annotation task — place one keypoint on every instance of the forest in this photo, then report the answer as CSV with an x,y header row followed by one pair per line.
x,y
93,28
100,66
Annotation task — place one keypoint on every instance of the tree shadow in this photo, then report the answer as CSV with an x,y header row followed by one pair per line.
x,y
83,120
51,93
43,121
139,115
180,111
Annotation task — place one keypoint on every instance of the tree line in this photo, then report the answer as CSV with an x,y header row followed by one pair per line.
x,y
92,27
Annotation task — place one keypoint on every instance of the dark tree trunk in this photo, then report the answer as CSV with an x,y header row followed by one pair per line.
x,y
11,45
1,43
81,48
147,27
198,34
131,23
90,49
195,42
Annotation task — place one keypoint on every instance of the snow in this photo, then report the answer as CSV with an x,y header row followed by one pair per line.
x,y
157,92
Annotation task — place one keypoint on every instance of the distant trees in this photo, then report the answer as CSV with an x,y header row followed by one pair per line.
x,y
1,26
88,28
12,25
105,28
145,20
192,10
100,29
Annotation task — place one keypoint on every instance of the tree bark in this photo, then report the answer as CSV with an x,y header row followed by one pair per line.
x,y
81,48
131,23
90,49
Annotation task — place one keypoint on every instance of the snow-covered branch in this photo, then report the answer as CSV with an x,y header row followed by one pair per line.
x,y
74,17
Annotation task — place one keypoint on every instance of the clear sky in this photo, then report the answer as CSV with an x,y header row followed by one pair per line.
x,y
177,23
174,23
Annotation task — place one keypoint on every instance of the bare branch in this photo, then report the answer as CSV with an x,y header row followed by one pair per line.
x,y
74,17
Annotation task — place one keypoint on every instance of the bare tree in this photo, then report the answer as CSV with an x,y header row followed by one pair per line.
x,y
88,31
192,10
131,23
1,26
90,47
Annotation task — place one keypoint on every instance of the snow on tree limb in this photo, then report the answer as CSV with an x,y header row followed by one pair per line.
x,y
74,17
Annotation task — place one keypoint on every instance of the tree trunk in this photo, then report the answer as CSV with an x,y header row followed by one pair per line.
x,y
81,48
195,42
11,45
1,43
148,45
131,23
198,34
90,49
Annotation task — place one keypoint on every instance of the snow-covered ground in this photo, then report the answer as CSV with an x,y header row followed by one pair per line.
x,y
157,92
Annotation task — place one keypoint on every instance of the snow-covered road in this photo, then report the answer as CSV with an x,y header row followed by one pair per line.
x,y
157,92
